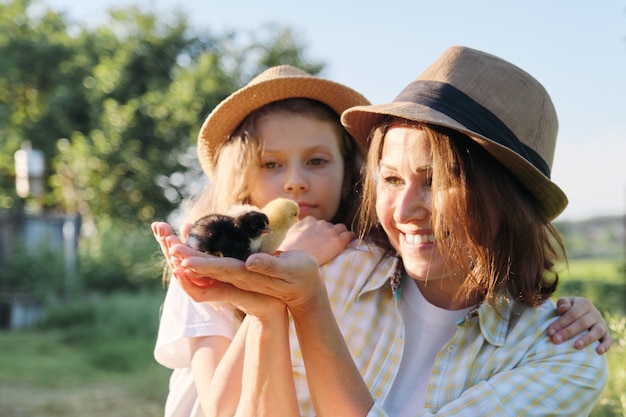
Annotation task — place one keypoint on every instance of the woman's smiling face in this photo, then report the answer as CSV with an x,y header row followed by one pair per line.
x,y
404,207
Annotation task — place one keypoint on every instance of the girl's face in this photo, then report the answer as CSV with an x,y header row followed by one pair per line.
x,y
300,160
404,209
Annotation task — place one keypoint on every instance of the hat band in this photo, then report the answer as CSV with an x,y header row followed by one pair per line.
x,y
454,103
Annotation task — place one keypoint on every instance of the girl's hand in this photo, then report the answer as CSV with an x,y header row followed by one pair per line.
x,y
320,238
579,315
293,277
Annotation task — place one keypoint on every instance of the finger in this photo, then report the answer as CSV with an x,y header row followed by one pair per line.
x,y
563,304
605,344
276,276
184,230
207,290
340,227
223,269
574,310
288,265
216,291
597,332
162,233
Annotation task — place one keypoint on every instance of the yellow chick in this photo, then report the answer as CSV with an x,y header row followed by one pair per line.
x,y
282,214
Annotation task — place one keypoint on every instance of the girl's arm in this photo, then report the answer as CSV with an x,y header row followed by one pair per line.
x,y
206,353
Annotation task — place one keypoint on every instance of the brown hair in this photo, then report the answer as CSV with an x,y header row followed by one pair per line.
x,y
492,229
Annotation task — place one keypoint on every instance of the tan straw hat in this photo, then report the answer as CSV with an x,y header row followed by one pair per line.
x,y
276,83
494,102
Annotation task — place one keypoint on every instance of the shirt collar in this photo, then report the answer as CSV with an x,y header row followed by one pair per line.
x,y
494,318
381,274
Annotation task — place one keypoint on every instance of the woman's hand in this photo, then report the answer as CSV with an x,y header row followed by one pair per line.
x,y
202,288
579,315
292,277
164,235
320,238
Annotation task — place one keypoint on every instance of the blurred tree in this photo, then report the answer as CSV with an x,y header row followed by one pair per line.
x,y
116,108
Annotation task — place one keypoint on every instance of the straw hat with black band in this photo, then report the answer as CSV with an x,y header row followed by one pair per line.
x,y
276,83
494,102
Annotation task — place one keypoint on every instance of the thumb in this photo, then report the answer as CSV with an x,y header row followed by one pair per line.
x,y
262,263
286,264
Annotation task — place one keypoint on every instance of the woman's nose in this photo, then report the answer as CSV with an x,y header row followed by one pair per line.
x,y
413,205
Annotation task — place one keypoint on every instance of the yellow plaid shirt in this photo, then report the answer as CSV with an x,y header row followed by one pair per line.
x,y
499,363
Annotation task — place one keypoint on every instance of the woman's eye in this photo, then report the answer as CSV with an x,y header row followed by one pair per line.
x,y
392,180
269,165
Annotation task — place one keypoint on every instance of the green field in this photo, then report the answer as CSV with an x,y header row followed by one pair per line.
x,y
41,375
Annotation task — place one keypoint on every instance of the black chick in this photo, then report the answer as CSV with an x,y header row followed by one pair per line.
x,y
223,235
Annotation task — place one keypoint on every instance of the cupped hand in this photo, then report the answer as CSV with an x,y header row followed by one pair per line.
x,y
292,277
577,316
202,289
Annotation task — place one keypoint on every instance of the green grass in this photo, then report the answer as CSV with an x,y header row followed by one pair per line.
x,y
602,281
92,358
42,375
603,270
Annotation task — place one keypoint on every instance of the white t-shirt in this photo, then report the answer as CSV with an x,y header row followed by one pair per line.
x,y
182,319
429,329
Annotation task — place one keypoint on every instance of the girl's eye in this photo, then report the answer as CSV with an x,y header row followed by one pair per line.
x,y
317,161
269,165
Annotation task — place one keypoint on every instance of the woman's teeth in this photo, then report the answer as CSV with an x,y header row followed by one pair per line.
x,y
421,238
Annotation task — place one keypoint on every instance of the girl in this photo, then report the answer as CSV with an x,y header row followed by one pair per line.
x,y
279,136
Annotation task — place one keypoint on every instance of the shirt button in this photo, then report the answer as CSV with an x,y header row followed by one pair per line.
x,y
451,348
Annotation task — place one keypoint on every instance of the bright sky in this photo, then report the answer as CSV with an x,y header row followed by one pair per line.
x,y
575,48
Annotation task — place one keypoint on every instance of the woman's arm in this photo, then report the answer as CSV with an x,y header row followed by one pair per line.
x,y
254,378
335,384
268,385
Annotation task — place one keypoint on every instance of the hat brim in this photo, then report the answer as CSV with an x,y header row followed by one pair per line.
x,y
231,112
360,120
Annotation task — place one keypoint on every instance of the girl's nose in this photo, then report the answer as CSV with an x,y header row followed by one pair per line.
x,y
295,181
